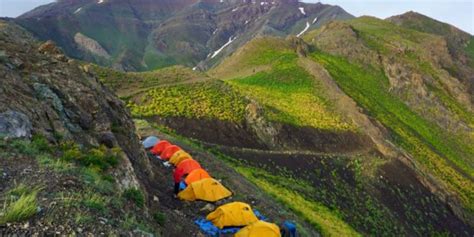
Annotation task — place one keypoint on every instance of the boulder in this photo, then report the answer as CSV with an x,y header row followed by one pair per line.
x,y
15,124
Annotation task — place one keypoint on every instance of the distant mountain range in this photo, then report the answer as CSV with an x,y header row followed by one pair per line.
x,y
149,34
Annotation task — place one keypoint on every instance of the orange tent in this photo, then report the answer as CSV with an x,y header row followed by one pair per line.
x,y
185,167
169,151
160,147
196,175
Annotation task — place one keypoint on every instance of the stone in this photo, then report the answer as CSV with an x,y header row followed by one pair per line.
x,y
15,124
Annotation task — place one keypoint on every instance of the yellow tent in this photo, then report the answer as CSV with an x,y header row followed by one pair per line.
x,y
232,214
179,156
207,189
259,229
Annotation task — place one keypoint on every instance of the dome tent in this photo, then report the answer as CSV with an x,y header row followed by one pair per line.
x,y
206,189
169,151
185,167
179,156
232,214
160,147
259,229
150,141
196,175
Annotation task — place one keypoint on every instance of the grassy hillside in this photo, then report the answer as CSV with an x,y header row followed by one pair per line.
x,y
413,120
428,143
288,92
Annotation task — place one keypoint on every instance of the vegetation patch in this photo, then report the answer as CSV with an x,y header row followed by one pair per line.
x,y
327,221
134,195
428,143
100,158
290,95
20,205
211,100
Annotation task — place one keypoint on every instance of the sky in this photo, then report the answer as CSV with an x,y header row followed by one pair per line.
x,y
456,12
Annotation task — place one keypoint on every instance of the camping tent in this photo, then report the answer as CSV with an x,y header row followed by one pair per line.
x,y
206,189
196,175
185,167
232,214
169,151
179,156
160,147
259,229
150,141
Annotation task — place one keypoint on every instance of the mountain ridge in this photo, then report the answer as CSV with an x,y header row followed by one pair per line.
x,y
147,34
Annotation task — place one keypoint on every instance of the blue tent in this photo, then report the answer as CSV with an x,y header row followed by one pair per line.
x,y
150,141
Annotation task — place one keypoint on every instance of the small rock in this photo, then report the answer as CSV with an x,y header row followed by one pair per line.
x,y
208,208
26,225
79,230
104,220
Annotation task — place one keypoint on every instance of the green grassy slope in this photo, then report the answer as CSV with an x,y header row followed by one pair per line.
x,y
442,152
427,142
288,92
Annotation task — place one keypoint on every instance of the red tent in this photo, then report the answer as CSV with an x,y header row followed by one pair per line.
x,y
160,147
169,151
185,167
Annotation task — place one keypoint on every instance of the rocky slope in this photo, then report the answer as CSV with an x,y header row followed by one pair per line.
x,y
146,35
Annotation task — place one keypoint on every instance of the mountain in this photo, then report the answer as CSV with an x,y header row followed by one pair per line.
x,y
145,35
362,126
71,162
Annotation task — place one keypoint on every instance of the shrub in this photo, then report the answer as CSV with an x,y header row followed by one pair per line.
x,y
23,147
134,195
100,157
160,218
21,209
95,202
40,143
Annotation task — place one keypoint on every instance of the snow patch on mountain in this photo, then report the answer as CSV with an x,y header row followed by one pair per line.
x,y
302,10
78,10
223,47
304,30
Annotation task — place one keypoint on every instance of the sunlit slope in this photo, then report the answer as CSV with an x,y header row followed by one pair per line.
x,y
267,70
401,77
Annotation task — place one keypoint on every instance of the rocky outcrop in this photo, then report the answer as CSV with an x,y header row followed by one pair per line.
x,y
44,92
15,125
91,46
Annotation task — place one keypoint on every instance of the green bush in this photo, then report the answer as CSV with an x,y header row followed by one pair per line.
x,y
23,147
40,143
95,202
160,218
100,158
21,209
134,195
